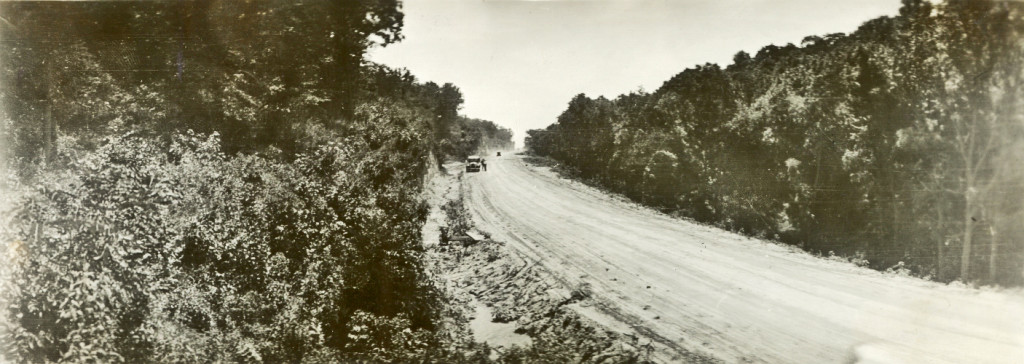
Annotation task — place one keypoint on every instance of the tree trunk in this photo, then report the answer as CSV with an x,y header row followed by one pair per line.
x,y
895,206
50,134
993,251
965,257
941,241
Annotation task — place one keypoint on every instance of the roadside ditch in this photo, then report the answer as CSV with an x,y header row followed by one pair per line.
x,y
512,306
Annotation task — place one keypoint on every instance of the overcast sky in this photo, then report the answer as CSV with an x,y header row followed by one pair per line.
x,y
518,63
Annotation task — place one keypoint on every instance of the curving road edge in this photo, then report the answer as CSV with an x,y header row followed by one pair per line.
x,y
695,288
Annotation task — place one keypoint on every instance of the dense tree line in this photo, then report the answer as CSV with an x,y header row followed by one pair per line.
x,y
900,144
217,181
474,136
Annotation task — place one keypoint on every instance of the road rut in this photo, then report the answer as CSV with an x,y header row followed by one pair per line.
x,y
696,288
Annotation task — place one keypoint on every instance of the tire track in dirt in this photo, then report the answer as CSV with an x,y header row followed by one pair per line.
x,y
563,320
692,287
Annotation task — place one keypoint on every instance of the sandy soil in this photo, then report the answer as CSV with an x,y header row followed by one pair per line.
x,y
523,313
485,330
695,288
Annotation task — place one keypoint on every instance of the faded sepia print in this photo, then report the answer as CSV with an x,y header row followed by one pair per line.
x,y
512,181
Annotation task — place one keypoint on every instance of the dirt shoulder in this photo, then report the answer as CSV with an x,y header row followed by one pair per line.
x,y
564,322
698,289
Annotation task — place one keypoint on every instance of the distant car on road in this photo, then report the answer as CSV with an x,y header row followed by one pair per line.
x,y
474,163
499,154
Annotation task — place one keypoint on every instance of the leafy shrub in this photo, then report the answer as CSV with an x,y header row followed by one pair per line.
x,y
173,251
895,143
457,217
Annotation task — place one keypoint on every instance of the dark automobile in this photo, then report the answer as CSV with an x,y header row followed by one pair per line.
x,y
474,163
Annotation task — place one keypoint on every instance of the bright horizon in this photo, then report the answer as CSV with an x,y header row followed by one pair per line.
x,y
518,63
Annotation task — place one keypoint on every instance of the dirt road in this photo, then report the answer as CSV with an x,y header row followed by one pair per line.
x,y
701,289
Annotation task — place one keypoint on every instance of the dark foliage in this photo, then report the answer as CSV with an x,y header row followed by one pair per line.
x,y
473,136
901,142
216,181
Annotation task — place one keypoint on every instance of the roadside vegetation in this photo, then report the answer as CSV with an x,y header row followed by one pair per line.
x,y
521,292
477,136
899,144
207,182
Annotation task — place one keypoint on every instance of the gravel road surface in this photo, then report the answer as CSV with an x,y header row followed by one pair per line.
x,y
696,288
